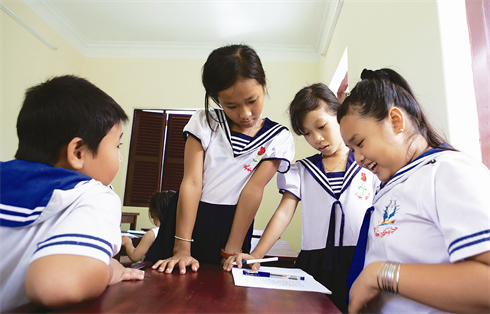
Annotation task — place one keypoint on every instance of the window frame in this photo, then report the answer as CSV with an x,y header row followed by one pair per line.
x,y
156,154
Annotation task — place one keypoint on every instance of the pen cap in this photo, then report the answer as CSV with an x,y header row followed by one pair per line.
x,y
257,274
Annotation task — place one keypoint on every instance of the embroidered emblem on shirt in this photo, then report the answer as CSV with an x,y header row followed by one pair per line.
x,y
362,191
386,226
256,159
259,154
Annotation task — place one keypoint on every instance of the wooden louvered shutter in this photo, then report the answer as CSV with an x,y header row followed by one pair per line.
x,y
145,158
173,160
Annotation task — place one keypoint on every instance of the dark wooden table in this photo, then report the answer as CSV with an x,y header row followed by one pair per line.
x,y
209,290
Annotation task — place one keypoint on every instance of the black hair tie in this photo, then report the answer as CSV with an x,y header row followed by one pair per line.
x,y
367,74
371,75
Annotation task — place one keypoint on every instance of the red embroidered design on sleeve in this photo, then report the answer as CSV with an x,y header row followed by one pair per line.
x,y
259,154
256,159
362,192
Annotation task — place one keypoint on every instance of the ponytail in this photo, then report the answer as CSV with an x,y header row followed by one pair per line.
x,y
378,92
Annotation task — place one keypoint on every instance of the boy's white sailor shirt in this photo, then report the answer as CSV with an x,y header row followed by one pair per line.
x,y
47,210
231,158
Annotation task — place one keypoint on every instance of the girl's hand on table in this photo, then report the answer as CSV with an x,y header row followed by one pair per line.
x,y
182,259
227,265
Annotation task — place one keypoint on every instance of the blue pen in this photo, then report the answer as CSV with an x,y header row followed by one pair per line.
x,y
269,275
262,260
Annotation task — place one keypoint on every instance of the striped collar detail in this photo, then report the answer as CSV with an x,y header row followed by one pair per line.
x,y
13,216
243,144
19,178
315,167
402,174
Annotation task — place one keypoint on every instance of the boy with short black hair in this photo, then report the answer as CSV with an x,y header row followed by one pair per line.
x,y
59,218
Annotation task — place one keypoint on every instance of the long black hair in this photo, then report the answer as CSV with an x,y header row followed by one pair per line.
x,y
378,92
225,66
158,204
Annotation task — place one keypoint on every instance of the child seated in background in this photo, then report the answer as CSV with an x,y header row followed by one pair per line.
x,y
158,205
59,218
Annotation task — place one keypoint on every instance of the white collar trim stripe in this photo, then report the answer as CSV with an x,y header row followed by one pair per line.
x,y
320,177
18,215
241,146
404,172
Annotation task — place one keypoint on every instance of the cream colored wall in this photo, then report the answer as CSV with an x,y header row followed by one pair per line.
x,y
402,35
176,84
26,61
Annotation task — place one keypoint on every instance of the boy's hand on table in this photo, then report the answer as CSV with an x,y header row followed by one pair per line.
x,y
132,274
120,273
182,259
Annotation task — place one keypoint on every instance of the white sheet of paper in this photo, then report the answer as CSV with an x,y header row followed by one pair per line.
x,y
137,232
129,235
309,284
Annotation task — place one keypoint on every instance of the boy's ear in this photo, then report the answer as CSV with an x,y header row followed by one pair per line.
x,y
397,120
75,153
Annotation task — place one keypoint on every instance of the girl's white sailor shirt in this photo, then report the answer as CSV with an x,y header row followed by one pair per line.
x,y
230,158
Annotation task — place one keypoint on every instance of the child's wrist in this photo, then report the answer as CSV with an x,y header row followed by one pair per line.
x,y
225,254
182,250
182,246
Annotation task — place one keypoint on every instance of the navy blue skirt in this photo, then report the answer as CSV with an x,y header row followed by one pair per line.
x,y
211,232
315,263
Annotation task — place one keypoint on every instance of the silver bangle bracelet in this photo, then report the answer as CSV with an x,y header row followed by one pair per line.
x,y
377,276
398,277
187,240
390,274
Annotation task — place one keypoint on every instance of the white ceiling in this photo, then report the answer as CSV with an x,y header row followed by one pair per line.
x,y
285,30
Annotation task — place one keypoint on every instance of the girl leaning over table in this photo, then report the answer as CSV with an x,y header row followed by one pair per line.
x,y
231,153
428,244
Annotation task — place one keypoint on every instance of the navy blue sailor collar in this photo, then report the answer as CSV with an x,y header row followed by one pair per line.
x,y
243,144
39,181
314,165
